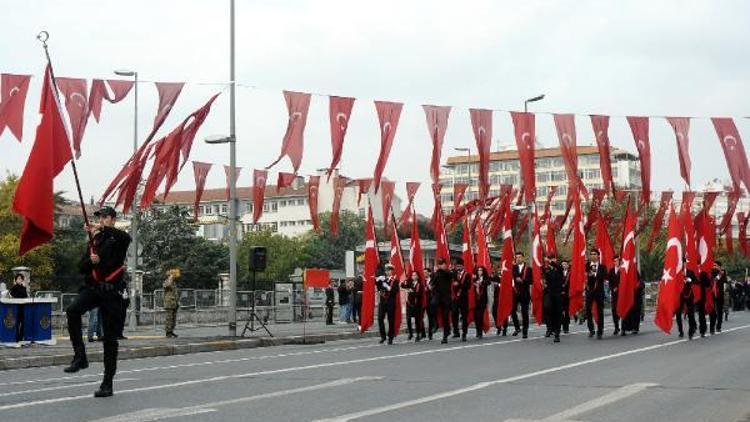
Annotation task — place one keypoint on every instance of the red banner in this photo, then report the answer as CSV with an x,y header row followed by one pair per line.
x,y
537,288
577,261
734,152
260,178
415,250
505,297
604,243
686,218
481,123
525,134
168,94
437,123
566,134
458,193
742,232
200,172
733,198
228,173
670,286
364,187
639,127
371,266
313,184
439,227
601,133
13,102
388,115
339,110
388,188
411,191
297,104
594,215
666,197
74,90
339,183
629,268
681,126
99,92
284,180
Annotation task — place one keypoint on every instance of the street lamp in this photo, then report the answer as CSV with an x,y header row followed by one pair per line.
x,y
232,305
133,259
532,206
531,100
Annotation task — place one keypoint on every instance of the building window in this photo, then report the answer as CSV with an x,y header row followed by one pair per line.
x,y
542,177
361,213
557,176
224,208
300,222
282,203
301,201
283,224
217,209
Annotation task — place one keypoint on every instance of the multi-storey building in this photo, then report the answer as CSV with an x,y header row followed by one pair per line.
x,y
720,204
550,171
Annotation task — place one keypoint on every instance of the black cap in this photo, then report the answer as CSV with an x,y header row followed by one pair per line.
x,y
106,211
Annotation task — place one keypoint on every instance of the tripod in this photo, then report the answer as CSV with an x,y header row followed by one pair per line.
x,y
250,323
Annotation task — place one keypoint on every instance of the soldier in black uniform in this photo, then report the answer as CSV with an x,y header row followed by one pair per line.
x,y
614,287
700,302
495,280
554,282
719,281
522,281
429,291
596,273
687,298
481,281
415,288
565,267
442,280
460,295
102,266
330,301
388,289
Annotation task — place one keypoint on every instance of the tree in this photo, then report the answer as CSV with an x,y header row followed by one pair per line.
x,y
323,250
284,254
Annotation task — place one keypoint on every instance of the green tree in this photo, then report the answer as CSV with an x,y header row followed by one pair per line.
x,y
324,250
284,254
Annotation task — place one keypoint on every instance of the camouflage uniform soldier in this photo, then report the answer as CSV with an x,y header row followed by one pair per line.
x,y
170,302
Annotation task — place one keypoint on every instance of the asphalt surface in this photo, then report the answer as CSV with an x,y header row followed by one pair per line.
x,y
643,377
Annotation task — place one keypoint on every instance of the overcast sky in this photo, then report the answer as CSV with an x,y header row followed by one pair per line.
x,y
679,58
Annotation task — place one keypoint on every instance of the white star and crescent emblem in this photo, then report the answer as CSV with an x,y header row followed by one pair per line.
x,y
731,145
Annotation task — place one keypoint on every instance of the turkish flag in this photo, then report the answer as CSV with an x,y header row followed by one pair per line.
x,y
284,180
34,197
74,90
129,178
577,261
371,266
525,134
505,297
566,133
13,102
190,125
313,184
297,104
600,125
466,253
537,288
481,123
628,266
411,191
666,198
547,205
639,128
729,242
259,192
364,187
168,94
726,221
734,151
388,189
691,250
604,243
339,110
551,243
339,183
388,115
706,231
227,174
483,251
416,260
99,92
671,282
681,126
594,214
708,199
458,193
397,260
437,123
200,171
742,232
440,237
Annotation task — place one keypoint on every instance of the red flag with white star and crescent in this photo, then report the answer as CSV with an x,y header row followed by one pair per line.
x,y
371,266
672,280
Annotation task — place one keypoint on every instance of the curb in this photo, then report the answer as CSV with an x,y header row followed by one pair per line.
x,y
181,349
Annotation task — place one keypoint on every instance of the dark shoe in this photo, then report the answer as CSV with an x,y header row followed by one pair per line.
x,y
105,390
623,334
599,336
712,332
557,339
444,341
390,341
566,331
410,337
429,336
456,335
121,337
548,333
479,336
382,340
91,339
77,365
418,339
681,335
591,334
617,331
718,330
515,333
497,332
463,337
525,335
505,333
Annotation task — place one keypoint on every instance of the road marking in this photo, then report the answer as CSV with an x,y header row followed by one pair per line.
x,y
147,415
482,385
59,387
607,399
274,371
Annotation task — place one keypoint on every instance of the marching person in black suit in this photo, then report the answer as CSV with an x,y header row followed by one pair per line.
x,y
719,281
460,289
700,302
429,291
614,287
480,284
388,290
330,301
554,282
596,273
442,280
522,281
565,266
414,305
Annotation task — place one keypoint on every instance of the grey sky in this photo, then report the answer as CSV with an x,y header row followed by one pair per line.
x,y
681,58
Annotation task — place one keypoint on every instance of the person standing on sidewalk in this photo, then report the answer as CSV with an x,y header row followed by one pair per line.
x,y
330,301
171,302
344,303
102,265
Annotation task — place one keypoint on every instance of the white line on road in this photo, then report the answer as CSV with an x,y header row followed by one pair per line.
x,y
147,415
58,387
481,385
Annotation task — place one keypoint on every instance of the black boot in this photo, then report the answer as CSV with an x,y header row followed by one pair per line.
x,y
105,390
77,364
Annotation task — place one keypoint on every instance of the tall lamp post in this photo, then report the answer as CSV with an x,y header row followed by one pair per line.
x,y
133,259
532,206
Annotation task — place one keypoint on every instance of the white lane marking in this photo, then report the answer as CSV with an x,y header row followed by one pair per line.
x,y
607,399
272,372
147,415
58,387
481,385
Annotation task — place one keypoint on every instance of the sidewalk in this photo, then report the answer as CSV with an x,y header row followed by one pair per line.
x,y
145,342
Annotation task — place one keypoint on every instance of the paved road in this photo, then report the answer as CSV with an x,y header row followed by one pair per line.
x,y
636,378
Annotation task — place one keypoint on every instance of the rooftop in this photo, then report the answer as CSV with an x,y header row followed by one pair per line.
x,y
539,153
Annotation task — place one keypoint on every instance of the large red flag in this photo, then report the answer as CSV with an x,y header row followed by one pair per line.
x,y
671,282
168,94
733,198
729,242
388,115
566,133
604,243
227,175
505,305
481,123
397,260
548,204
437,123
639,128
200,171
313,183
628,266
681,126
297,104
364,187
339,110
550,242
594,213
259,192
537,288
339,183
99,92
34,198
734,151
483,250
742,232
439,229
577,261
601,133
458,193
466,252
686,218
388,189
371,266
666,198
415,248
74,91
411,191
706,232
13,102
284,180
525,134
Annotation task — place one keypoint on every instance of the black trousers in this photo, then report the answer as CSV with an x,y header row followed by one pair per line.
x,y
565,321
524,323
599,301
716,317
110,304
355,311
701,309
414,313
387,310
329,313
554,314
615,315
460,310
444,309
479,310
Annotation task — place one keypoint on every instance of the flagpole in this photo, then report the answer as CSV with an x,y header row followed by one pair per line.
x,y
43,37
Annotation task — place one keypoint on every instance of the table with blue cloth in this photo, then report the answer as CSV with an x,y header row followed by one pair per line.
x,y
26,321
